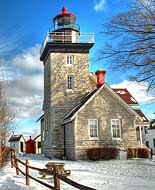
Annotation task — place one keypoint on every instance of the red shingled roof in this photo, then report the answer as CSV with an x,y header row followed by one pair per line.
x,y
145,119
126,96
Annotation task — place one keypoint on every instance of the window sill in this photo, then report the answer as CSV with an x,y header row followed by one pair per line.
x,y
69,65
69,92
93,139
117,139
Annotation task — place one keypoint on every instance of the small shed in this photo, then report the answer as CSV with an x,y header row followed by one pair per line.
x,y
38,144
30,146
17,142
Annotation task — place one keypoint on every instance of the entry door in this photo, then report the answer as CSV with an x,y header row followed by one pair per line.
x,y
21,146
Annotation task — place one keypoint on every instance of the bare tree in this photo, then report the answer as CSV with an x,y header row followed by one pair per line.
x,y
132,45
6,117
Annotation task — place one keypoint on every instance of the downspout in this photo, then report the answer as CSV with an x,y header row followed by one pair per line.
x,y
64,156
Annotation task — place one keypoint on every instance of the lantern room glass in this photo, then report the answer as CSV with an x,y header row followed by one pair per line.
x,y
65,22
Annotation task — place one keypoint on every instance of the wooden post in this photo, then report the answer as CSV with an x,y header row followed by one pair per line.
x,y
56,179
16,164
0,160
0,155
27,173
11,159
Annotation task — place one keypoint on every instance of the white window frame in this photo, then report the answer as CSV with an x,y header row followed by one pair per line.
x,y
70,82
89,128
70,59
119,125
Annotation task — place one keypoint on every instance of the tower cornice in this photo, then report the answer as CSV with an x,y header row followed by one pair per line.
x,y
65,48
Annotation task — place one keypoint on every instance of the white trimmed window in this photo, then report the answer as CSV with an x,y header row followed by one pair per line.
x,y
116,128
93,128
70,82
70,60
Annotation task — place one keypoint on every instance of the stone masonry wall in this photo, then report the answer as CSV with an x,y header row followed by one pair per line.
x,y
58,101
104,107
70,140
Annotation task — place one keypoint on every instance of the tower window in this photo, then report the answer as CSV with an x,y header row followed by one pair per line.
x,y
70,82
70,60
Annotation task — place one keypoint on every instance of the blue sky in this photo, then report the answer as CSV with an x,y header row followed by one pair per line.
x,y
23,25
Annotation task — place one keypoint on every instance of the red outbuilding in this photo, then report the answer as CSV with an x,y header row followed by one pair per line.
x,y
30,146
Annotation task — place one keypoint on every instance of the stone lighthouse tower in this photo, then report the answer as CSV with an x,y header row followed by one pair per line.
x,y
65,57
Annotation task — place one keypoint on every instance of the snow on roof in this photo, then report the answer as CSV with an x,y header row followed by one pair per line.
x,y
15,138
121,92
125,95
132,99
145,119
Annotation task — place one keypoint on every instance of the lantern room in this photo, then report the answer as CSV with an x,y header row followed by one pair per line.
x,y
65,20
65,35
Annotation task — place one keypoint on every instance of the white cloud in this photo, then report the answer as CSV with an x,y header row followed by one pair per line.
x,y
29,59
28,132
99,5
138,90
24,83
6,71
25,63
25,95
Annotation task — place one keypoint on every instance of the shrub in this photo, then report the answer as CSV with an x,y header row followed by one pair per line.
x,y
105,153
138,153
143,153
132,153
94,153
3,156
109,153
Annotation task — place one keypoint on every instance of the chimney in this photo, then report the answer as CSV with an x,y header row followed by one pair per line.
x,y
100,77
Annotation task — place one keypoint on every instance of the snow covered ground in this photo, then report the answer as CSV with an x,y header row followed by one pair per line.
x,y
102,175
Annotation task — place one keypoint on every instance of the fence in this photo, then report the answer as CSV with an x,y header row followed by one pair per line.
x,y
54,169
62,37
3,155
